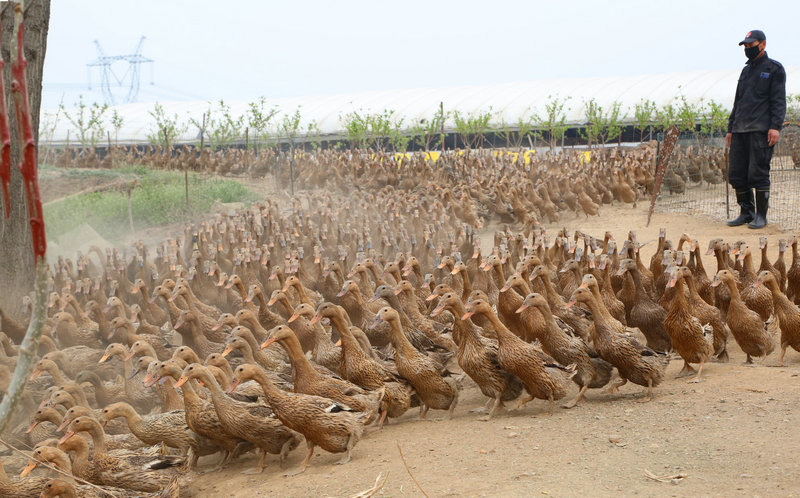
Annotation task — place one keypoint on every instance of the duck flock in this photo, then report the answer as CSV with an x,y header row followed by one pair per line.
x,y
376,290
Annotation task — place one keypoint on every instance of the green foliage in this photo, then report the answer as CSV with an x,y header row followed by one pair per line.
x,y
289,127
157,199
666,116
472,128
793,109
553,123
687,114
171,126
377,130
116,122
645,113
602,125
713,118
427,133
221,127
259,117
87,121
313,135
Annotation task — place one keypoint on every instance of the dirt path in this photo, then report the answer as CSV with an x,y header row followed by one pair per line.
x,y
732,434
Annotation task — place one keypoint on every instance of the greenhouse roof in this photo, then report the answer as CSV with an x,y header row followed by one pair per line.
x,y
508,102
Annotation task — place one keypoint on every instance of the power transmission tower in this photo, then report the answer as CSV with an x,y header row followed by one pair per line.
x,y
130,77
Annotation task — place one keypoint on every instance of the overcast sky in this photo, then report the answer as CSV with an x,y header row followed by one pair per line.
x,y
244,49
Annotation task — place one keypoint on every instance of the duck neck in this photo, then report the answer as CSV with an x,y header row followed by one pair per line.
x,y
133,419
302,367
498,276
679,298
500,329
98,440
734,290
399,340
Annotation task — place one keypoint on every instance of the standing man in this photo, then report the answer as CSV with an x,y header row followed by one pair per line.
x,y
754,128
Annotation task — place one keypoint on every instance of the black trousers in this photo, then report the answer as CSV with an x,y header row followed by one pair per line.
x,y
748,161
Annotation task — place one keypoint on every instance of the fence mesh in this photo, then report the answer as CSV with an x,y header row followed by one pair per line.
x,y
695,183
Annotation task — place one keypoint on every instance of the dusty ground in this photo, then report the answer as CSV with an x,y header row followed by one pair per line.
x,y
732,434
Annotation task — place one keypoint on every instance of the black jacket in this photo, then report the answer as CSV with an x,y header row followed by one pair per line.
x,y
760,102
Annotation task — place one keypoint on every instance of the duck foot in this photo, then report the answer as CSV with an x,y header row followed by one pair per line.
x,y
253,471
686,371
723,357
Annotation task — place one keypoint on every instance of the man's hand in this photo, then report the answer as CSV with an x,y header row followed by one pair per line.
x,y
773,136
728,140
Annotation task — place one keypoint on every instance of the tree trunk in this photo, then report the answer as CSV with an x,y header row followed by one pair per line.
x,y
16,252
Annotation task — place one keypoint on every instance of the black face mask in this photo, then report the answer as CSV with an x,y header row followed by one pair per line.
x,y
752,52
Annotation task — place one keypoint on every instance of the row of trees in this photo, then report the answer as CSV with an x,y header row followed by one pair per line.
x,y
261,125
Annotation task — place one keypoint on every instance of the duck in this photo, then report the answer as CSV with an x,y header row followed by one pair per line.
x,y
592,372
251,422
634,362
29,487
323,351
113,471
542,381
430,380
687,334
747,327
477,356
308,380
65,489
201,416
787,312
168,428
332,426
758,299
645,314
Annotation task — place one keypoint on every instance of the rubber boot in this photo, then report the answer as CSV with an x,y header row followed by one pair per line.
x,y
762,205
745,200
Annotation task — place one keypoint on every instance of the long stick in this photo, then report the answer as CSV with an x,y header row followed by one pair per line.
x,y
661,167
409,471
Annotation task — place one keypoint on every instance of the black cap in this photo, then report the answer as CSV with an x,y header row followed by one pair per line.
x,y
751,36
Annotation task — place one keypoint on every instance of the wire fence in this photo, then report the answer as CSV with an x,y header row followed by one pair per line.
x,y
696,182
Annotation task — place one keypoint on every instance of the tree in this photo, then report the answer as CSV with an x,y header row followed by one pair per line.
x,y
116,122
221,127
666,116
601,125
259,118
644,112
792,109
472,128
427,133
687,114
714,119
16,257
87,121
169,124
554,121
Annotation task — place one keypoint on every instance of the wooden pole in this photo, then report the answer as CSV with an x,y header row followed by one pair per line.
x,y
441,109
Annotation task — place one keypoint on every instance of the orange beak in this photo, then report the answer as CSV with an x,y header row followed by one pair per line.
x,y
226,351
32,426
454,272
103,359
181,381
584,285
397,292
36,372
505,288
267,342
431,297
292,318
467,315
757,284
129,356
179,324
272,301
338,343
570,304
437,311
27,470
66,436
315,320
216,327
522,308
234,384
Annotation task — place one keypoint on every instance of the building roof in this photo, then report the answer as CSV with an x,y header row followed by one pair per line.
x,y
508,102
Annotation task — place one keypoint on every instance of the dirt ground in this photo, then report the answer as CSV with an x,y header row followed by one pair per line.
x,y
732,434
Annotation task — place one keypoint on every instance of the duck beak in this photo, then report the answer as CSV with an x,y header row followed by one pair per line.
x,y
338,343
570,304
27,470
672,282
715,282
32,426
103,424
216,327
431,297
66,437
522,308
272,301
454,272
133,374
505,288
267,342
341,293
375,323
756,284
179,324
584,285
293,318
234,384
153,298
63,426
181,381
315,320
226,351
249,297
397,292
437,311
36,372
103,358
129,356
229,285
467,315
285,288
373,299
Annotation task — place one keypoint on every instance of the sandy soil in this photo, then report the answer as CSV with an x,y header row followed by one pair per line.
x,y
732,434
